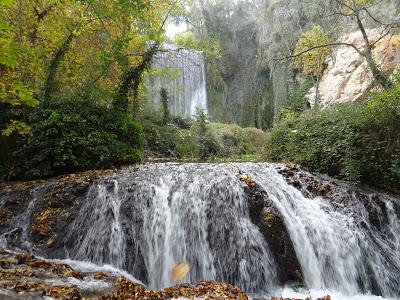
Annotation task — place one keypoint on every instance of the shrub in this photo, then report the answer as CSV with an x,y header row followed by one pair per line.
x,y
298,100
182,122
74,135
209,147
357,142
159,139
188,144
236,141
200,138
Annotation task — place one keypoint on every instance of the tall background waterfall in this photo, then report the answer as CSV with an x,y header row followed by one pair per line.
x,y
185,82
148,220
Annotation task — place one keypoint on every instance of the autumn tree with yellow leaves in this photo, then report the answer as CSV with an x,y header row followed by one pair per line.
x,y
54,48
312,62
71,76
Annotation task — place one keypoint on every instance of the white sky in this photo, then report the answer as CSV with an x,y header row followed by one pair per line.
x,y
173,29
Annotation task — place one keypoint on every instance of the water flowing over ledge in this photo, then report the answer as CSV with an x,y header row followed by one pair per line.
x,y
186,85
236,223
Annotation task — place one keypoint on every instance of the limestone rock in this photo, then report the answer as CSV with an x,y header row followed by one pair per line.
x,y
348,76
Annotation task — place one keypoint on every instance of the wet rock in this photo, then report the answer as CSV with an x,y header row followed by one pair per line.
x,y
264,214
341,195
274,230
306,183
54,204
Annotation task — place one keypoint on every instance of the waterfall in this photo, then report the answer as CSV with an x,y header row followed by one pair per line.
x,y
337,247
149,220
182,73
173,214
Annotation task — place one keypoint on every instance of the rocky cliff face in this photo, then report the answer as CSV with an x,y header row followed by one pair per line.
x,y
348,76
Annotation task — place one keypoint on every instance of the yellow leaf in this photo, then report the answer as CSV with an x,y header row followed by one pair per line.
x,y
180,271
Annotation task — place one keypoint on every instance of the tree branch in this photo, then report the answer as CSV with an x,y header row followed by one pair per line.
x,y
322,46
383,35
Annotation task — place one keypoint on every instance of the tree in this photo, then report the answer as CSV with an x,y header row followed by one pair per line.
x,y
12,90
164,102
133,74
360,12
201,121
51,49
312,62
74,58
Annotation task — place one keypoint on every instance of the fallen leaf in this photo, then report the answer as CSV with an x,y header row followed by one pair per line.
x,y
180,271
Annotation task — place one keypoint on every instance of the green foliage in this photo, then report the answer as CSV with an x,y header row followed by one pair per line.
x,y
201,139
208,146
298,102
201,121
54,50
236,141
187,144
311,62
8,47
12,91
72,135
15,126
210,46
51,49
164,102
237,84
160,139
359,142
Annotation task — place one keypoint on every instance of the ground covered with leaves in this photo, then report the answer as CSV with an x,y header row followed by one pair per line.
x,y
23,276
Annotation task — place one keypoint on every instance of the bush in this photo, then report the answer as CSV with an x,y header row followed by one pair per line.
x,y
160,139
199,138
75,135
182,122
298,100
236,141
357,142
209,147
188,144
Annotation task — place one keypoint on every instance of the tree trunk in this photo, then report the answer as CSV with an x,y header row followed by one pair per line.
x,y
316,104
131,79
379,76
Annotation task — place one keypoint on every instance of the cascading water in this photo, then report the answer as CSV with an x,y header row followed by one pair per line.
x,y
338,248
186,86
147,221
173,214
20,222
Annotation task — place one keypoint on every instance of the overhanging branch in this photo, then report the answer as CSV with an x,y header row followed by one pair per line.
x,y
322,46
